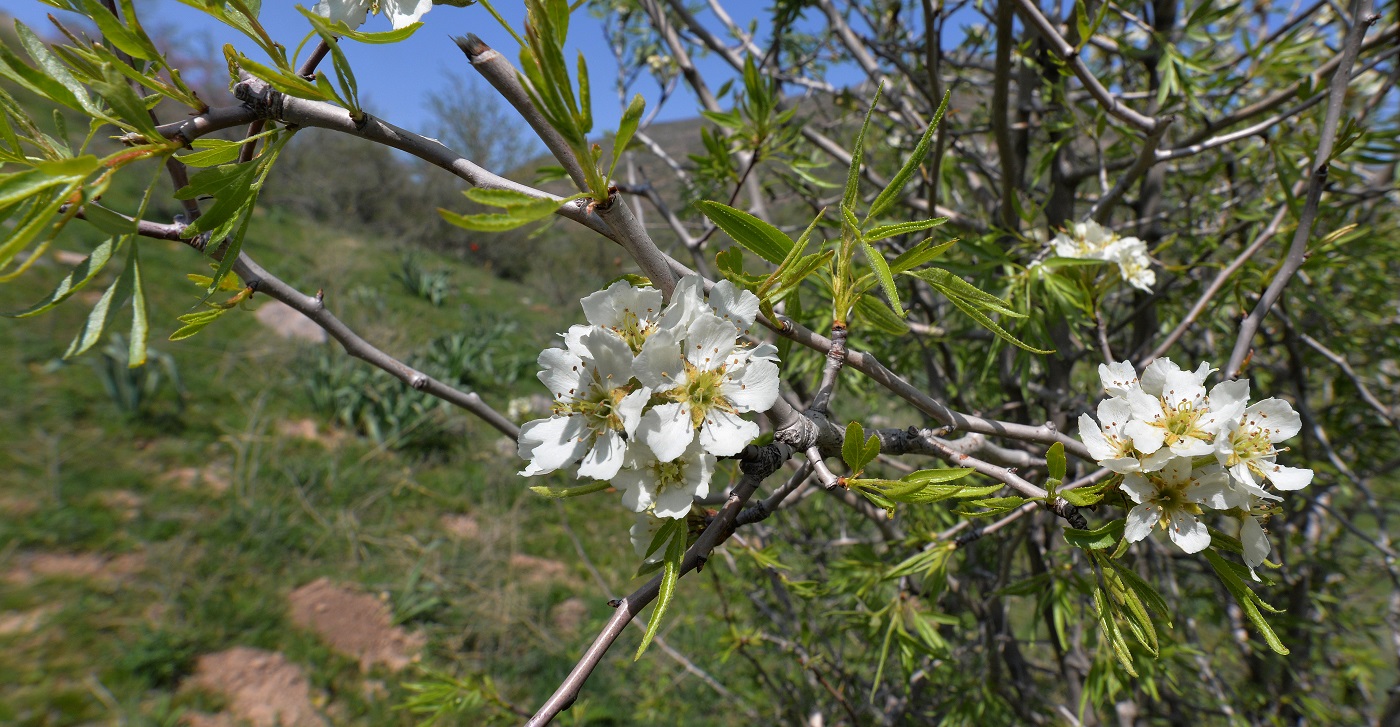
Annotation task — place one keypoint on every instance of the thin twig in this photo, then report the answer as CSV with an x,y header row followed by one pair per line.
x,y
1297,250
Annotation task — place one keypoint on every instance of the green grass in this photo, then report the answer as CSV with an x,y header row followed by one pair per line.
x,y
216,567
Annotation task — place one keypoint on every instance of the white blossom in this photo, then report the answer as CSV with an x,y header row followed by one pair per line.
x,y
1106,441
1172,498
665,488
1089,240
596,408
632,313
1180,417
402,13
707,383
1246,446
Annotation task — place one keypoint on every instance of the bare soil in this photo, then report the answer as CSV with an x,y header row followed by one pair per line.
x,y
355,624
262,689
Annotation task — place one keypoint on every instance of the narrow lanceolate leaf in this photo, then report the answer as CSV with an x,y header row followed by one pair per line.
x,y
890,194
500,221
671,571
955,287
853,446
848,199
919,254
79,276
883,274
1249,601
626,128
106,308
755,235
991,325
196,322
140,328
341,29
873,311
902,228
508,198
938,476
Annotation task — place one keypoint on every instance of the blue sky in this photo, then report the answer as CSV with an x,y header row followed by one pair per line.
x,y
396,80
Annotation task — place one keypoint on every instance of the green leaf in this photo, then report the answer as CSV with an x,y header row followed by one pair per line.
x,y
870,451
1055,461
902,228
1097,539
996,505
882,273
51,74
108,221
1249,601
128,106
501,221
339,28
890,194
938,476
992,326
626,128
1105,612
853,446
873,311
196,322
560,492
954,286
671,571
114,32
848,199
105,310
1143,589
79,276
755,235
1084,496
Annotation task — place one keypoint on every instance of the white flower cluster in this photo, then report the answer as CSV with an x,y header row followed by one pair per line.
x,y
1182,449
402,13
1091,241
650,397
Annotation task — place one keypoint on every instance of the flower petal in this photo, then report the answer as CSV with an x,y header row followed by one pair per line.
x,y
667,430
605,458
723,434
1275,417
612,357
752,386
1094,440
403,13
1118,377
559,372
1146,438
1288,478
1188,532
1140,522
551,443
1138,487
734,304
1255,542
709,340
630,409
635,496
659,362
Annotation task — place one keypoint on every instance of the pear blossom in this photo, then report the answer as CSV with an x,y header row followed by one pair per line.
x,y
1089,240
1172,498
665,489
632,313
1118,378
1246,446
595,408
707,383
1180,417
402,13
726,300
1106,440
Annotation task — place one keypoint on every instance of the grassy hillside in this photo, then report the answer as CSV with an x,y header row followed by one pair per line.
x,y
135,542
